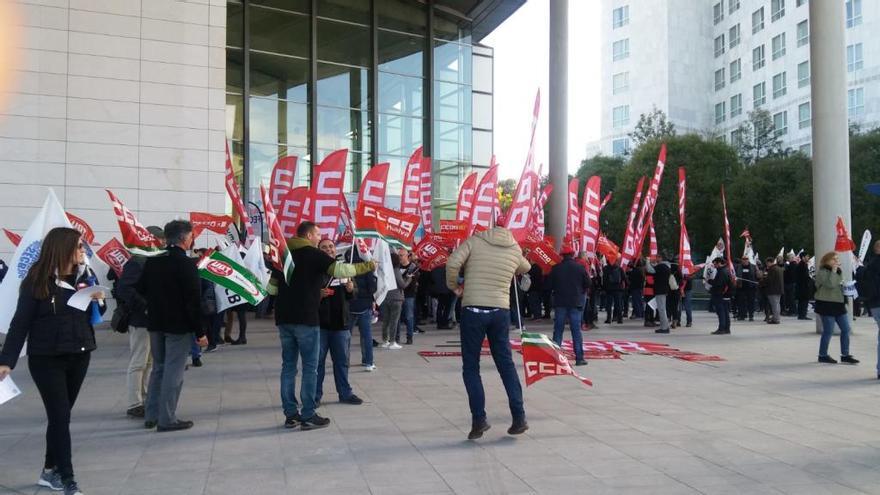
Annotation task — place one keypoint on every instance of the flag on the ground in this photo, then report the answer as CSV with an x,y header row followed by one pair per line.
x,y
233,276
542,358
50,216
135,236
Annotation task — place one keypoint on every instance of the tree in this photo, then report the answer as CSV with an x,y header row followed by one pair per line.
x,y
756,138
864,169
506,190
652,126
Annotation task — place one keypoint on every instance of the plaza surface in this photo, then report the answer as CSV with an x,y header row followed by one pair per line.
x,y
769,419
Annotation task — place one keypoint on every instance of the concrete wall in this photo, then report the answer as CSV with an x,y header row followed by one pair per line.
x,y
119,94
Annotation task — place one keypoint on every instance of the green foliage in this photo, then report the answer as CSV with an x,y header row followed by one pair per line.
x,y
652,126
864,169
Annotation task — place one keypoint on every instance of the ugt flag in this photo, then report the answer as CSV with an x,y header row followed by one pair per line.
x,y
231,275
542,357
51,215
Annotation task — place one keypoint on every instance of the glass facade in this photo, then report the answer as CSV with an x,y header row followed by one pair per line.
x,y
378,77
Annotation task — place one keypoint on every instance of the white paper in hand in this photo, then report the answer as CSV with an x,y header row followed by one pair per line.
x,y
652,304
81,298
8,390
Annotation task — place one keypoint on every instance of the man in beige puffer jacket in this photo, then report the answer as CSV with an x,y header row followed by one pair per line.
x,y
489,260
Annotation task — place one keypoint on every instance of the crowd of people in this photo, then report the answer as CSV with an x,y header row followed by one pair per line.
x,y
486,287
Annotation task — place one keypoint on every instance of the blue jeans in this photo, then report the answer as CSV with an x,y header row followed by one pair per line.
x,y
364,323
722,309
408,317
573,315
638,303
194,349
875,312
686,304
337,343
828,329
494,326
305,342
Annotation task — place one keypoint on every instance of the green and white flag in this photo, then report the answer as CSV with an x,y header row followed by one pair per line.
x,y
233,276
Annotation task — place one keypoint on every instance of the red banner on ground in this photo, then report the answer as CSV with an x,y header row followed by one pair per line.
x,y
543,358
114,254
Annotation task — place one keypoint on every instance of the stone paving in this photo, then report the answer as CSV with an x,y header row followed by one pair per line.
x,y
769,419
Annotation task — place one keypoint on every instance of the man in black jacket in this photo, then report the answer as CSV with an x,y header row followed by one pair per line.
x,y
661,270
140,362
747,285
870,290
569,283
170,284
720,292
612,277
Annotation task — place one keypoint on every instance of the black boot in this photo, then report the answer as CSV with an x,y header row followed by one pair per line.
x,y
478,428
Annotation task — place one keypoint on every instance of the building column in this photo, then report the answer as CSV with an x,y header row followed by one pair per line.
x,y
830,126
558,152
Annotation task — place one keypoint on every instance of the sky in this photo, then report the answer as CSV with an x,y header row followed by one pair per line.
x,y
521,58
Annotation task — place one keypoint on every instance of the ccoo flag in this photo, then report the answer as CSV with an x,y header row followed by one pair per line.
x,y
542,357
51,215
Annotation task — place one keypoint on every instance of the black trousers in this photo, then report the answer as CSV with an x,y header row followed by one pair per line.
x,y
444,303
59,378
614,306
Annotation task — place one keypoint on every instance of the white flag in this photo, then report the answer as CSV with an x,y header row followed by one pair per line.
x,y
254,261
385,274
51,215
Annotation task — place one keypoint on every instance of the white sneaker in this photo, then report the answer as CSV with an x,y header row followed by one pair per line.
x,y
395,346
386,345
370,367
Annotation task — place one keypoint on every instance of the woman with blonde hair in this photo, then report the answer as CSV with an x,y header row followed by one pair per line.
x,y
831,308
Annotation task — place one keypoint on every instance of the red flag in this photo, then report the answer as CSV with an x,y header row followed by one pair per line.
x,y
327,185
629,238
539,207
396,228
13,237
425,207
455,230
347,235
607,249
590,211
296,207
206,221
605,201
134,235
843,242
536,111
79,224
484,201
279,255
235,196
544,254
373,186
684,244
283,179
728,246
652,247
409,197
520,216
466,197
573,223
542,358
650,199
431,253
114,254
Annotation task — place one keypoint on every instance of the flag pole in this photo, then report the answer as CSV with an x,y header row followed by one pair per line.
x,y
520,326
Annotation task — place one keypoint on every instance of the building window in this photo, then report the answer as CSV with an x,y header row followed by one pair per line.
x,y
736,105
720,112
806,149
778,45
758,58
719,79
620,49
620,16
757,20
803,33
719,46
620,116
804,115
800,2
620,83
777,10
804,74
856,102
779,87
620,147
759,94
718,10
734,36
853,13
780,123
733,6
735,70
854,59
736,137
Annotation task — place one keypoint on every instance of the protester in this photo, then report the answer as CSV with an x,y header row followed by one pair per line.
x,y
298,319
335,332
747,285
636,278
774,287
804,287
648,296
535,293
569,282
869,290
60,340
720,288
140,362
170,284
211,320
831,308
236,313
408,269
444,298
673,297
612,278
688,284
361,311
489,260
790,275
393,305
662,272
